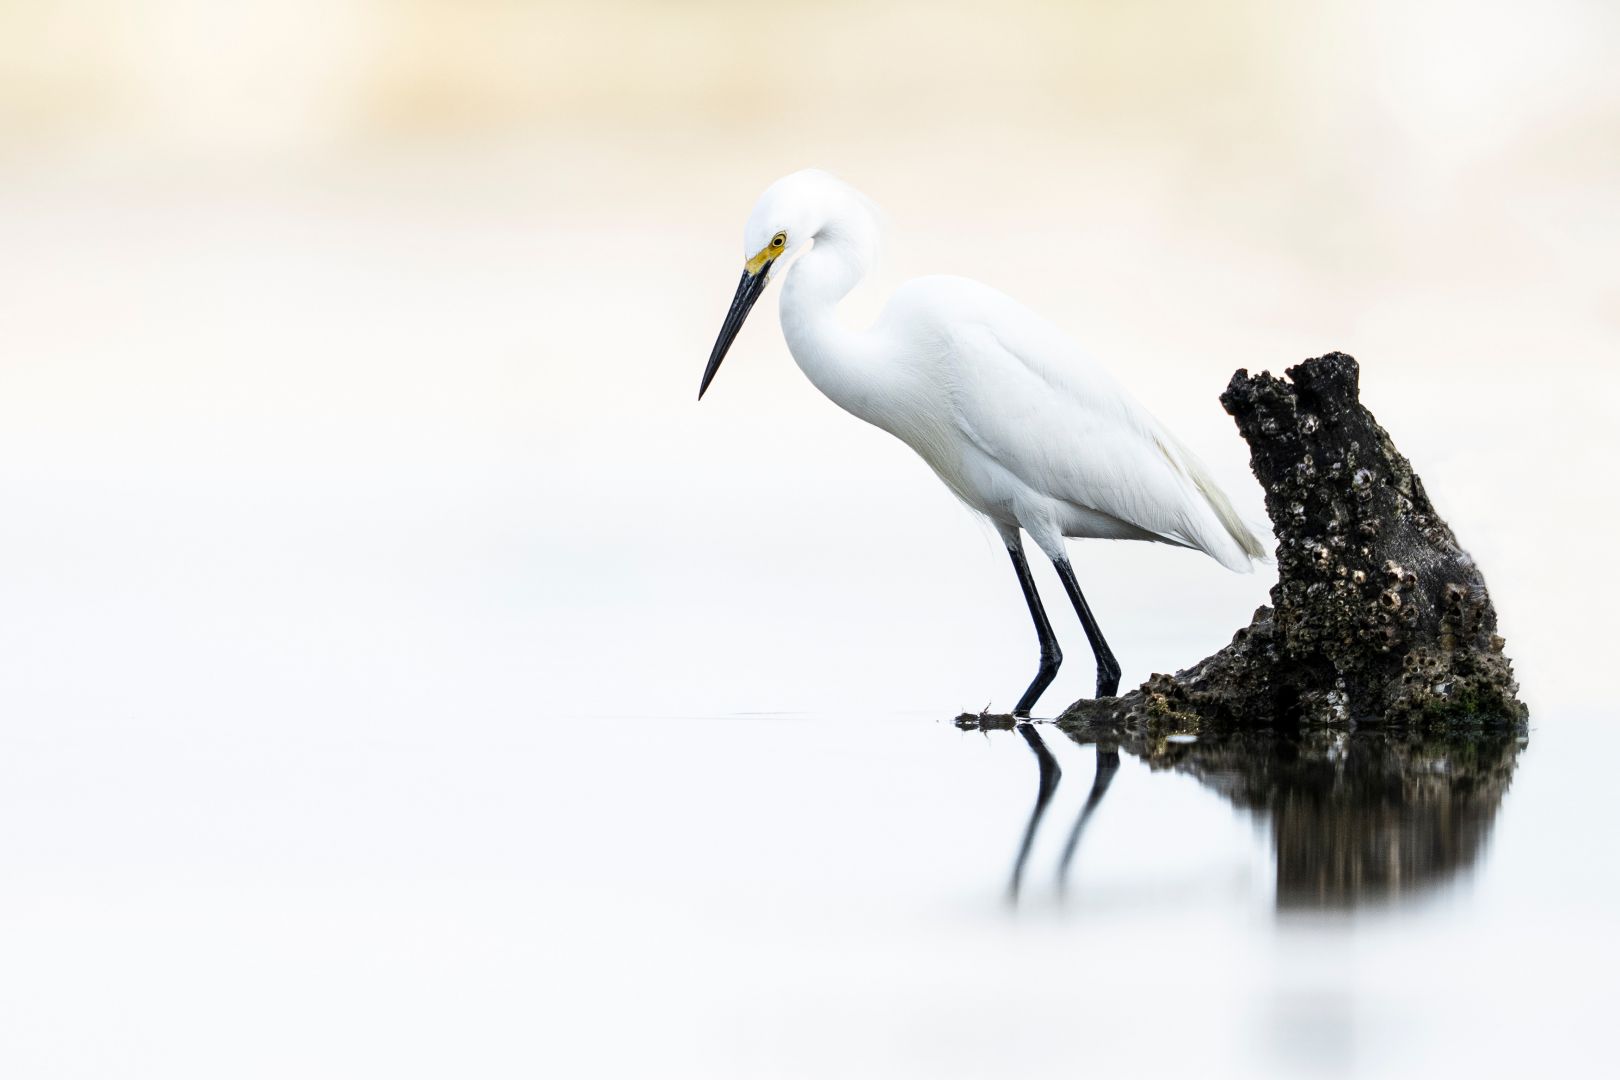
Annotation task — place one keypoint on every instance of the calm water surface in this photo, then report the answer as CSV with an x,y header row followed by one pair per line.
x,y
794,895
889,896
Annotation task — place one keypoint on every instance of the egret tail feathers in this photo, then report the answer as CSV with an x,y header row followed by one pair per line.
x,y
1248,546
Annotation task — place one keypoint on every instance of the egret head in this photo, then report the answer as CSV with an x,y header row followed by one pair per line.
x,y
802,207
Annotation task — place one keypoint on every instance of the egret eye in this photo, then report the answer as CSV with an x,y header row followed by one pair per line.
x,y
778,240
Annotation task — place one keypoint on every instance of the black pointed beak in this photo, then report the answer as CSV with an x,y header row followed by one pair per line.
x,y
748,290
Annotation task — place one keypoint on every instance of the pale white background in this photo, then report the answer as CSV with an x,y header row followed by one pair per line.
x,y
403,674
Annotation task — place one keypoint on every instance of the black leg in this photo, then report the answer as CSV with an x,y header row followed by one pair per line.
x,y
1051,655
1107,666
1050,775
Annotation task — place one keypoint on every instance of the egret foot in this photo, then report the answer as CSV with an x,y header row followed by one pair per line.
x,y
1108,677
1050,662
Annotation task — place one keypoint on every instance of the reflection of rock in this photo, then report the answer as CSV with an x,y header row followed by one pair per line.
x,y
1378,616
1355,817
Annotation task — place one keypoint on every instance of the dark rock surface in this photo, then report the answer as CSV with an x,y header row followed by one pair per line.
x,y
1378,617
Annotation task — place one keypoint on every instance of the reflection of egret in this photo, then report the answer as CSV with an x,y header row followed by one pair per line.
x,y
1107,766
1050,775
1015,420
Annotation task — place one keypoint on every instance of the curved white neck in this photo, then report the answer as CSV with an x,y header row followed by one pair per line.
x,y
840,362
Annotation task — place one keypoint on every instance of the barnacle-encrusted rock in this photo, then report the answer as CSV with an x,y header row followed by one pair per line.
x,y
1378,616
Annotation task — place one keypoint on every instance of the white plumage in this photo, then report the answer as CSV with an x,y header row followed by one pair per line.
x,y
1011,415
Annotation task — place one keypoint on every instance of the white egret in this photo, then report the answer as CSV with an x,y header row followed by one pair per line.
x,y
1012,416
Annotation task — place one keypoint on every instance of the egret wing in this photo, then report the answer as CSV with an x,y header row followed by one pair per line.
x,y
1031,401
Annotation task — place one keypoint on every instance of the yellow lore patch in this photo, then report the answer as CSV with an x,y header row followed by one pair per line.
x,y
766,255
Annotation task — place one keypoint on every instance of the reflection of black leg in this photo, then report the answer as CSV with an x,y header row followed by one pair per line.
x,y
1051,655
1107,666
1050,775
1107,766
